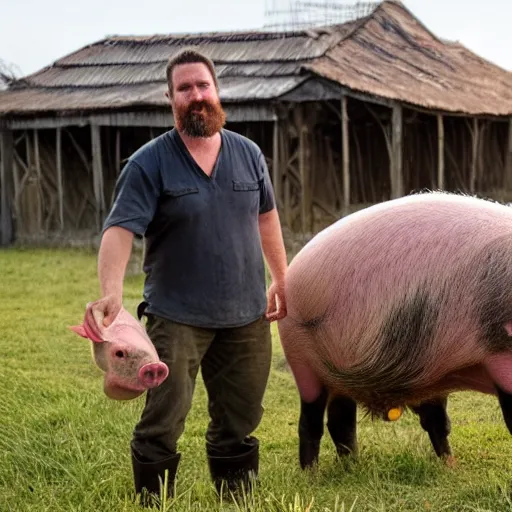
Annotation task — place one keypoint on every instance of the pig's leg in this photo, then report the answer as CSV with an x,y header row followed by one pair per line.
x,y
435,421
313,397
311,429
341,423
294,340
505,400
499,367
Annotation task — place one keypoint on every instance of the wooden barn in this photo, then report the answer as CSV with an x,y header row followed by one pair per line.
x,y
347,115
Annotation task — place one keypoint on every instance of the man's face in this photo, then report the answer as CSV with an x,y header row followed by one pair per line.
x,y
195,101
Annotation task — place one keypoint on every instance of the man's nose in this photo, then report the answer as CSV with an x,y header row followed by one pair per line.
x,y
196,94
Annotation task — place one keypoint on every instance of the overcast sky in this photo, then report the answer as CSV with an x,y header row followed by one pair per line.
x,y
35,33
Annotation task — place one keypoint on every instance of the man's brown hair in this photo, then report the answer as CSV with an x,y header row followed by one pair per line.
x,y
189,56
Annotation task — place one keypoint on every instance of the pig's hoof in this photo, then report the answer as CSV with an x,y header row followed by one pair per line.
x,y
450,461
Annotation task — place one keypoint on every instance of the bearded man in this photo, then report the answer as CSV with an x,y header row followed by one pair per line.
x,y
202,198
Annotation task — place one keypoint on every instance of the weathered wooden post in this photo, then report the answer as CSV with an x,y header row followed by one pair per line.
x,y
6,170
97,173
346,155
475,137
60,191
276,164
508,158
440,152
397,182
304,170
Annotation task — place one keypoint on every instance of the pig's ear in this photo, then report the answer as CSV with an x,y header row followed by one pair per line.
x,y
92,328
83,331
508,328
79,329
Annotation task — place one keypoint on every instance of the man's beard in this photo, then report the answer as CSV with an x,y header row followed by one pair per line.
x,y
205,123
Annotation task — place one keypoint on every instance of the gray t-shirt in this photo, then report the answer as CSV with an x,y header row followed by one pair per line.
x,y
203,262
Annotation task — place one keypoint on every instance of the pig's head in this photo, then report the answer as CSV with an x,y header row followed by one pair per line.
x,y
124,352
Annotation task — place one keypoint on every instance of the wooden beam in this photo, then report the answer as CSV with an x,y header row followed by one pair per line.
x,y
118,151
16,191
97,175
6,170
38,191
285,153
37,154
304,178
346,156
440,152
474,155
80,151
28,150
508,158
396,171
276,167
304,170
60,191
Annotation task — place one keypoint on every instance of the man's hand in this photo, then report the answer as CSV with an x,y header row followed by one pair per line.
x,y
108,307
275,254
276,302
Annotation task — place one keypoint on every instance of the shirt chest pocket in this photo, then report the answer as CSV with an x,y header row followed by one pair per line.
x,y
181,203
178,192
246,186
245,197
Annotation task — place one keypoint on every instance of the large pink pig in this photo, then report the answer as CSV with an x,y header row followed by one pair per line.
x,y
124,352
397,306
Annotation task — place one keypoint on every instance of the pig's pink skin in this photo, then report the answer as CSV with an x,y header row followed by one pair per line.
x,y
344,281
83,331
120,392
118,389
125,353
79,329
499,367
153,374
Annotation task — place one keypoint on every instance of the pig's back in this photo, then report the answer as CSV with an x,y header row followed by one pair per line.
x,y
401,255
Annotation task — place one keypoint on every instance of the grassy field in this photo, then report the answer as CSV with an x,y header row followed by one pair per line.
x,y
64,445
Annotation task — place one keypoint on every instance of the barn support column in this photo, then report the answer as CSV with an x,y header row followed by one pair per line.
x,y
346,156
97,173
304,170
286,158
35,184
508,158
392,130
118,151
440,152
276,162
6,177
60,191
396,167
475,141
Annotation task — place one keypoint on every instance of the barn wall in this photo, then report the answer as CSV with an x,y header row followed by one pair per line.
x,y
309,166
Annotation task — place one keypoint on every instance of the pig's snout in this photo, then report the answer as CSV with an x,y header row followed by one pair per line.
x,y
153,374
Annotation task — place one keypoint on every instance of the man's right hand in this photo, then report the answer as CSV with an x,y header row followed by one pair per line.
x,y
108,306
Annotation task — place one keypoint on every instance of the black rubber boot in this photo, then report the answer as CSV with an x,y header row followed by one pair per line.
x,y
147,477
236,473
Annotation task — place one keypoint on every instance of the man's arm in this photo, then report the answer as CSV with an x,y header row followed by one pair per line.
x,y
113,256
275,255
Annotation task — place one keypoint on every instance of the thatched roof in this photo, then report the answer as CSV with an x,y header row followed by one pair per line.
x,y
388,54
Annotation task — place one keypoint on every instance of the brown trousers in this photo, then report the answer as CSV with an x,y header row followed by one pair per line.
x,y
235,365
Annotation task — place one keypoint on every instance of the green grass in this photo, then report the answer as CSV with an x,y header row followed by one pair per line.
x,y
65,447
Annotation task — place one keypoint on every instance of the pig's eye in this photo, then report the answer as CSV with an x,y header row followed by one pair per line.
x,y
120,354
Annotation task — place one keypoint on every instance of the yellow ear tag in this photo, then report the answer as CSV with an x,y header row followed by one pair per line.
x,y
394,413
